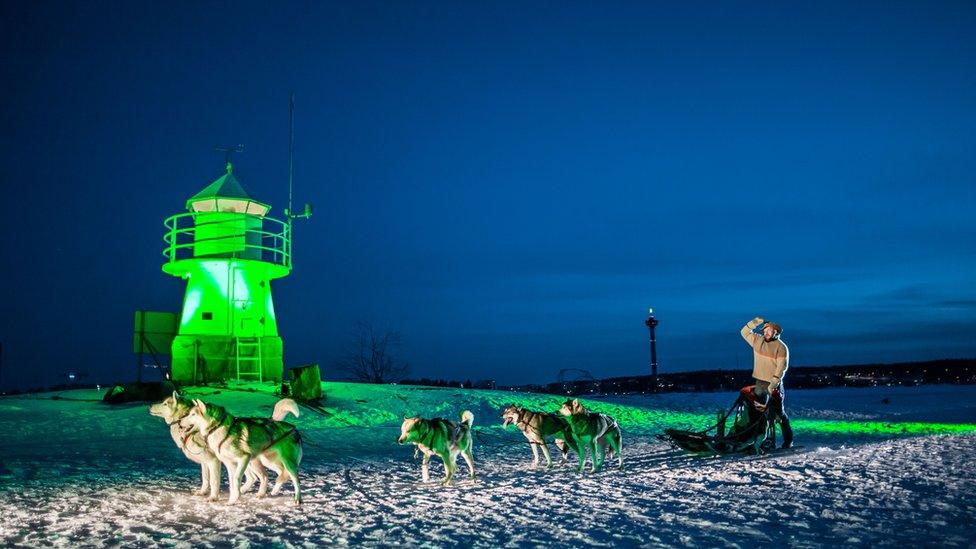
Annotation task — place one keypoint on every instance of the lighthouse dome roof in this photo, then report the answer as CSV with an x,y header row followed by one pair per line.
x,y
226,194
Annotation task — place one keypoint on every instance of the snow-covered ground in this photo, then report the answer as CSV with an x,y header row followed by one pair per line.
x,y
877,466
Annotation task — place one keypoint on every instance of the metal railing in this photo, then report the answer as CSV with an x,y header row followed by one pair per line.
x,y
269,240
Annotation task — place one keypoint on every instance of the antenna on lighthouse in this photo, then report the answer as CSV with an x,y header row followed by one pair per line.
x,y
291,146
307,213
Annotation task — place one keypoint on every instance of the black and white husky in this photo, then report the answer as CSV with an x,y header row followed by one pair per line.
x,y
594,431
243,442
443,438
174,410
537,427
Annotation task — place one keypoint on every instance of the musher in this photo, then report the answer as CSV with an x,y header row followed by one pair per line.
x,y
771,359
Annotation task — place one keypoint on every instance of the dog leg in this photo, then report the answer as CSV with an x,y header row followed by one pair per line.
x,y
469,459
617,443
545,452
249,478
449,466
597,450
425,468
204,480
535,454
582,456
258,468
570,443
235,480
563,450
279,482
291,466
213,475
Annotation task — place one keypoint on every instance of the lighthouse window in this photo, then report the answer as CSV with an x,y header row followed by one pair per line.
x,y
208,316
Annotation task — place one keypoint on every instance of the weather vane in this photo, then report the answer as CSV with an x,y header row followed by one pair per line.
x,y
228,151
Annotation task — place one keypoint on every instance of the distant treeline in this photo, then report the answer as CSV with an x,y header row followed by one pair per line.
x,y
955,371
482,384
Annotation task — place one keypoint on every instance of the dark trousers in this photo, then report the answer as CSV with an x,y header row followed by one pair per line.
x,y
777,405
779,409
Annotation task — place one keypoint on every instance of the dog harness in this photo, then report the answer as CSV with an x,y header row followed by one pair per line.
x,y
187,433
428,435
263,424
428,430
520,423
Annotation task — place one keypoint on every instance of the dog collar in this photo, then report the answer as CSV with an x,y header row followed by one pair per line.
x,y
217,424
520,423
177,420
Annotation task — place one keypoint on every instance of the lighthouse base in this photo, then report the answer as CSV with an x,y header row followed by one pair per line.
x,y
200,359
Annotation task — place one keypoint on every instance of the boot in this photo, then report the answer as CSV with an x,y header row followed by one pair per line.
x,y
787,432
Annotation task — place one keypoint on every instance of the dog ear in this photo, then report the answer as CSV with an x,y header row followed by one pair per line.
x,y
176,396
200,405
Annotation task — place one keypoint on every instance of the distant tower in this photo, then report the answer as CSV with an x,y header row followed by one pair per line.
x,y
228,251
652,323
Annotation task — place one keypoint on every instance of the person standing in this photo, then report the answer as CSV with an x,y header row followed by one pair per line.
x,y
771,358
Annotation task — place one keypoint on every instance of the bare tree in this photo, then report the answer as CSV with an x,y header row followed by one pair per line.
x,y
372,359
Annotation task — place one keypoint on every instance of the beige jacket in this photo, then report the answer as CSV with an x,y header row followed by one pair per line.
x,y
771,358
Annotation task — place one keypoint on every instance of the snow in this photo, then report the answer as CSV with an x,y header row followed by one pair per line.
x,y
79,472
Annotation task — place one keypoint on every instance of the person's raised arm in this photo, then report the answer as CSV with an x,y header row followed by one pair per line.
x,y
748,331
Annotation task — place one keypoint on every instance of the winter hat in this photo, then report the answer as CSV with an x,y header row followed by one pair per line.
x,y
776,327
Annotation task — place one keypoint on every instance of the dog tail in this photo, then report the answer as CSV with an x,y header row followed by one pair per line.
x,y
284,407
467,418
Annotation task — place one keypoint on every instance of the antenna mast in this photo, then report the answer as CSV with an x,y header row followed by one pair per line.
x,y
291,148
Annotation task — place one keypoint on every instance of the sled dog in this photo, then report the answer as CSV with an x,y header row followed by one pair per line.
x,y
441,437
240,442
593,431
537,427
173,410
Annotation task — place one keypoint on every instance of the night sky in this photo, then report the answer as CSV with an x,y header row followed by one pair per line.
x,y
511,186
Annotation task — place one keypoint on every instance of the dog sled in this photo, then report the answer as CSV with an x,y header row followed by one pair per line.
x,y
752,428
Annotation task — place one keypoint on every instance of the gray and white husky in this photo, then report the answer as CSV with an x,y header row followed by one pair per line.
x,y
594,431
537,427
174,410
242,442
443,438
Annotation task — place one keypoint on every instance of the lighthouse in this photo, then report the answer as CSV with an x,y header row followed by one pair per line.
x,y
228,250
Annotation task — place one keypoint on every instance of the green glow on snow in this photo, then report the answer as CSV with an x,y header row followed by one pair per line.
x,y
383,406
645,421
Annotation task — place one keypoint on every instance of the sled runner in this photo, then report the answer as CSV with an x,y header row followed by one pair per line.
x,y
753,429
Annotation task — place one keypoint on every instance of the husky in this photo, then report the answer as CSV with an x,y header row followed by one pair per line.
x,y
240,442
173,410
442,437
537,427
593,431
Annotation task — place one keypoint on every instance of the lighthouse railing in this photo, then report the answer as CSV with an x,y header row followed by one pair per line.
x,y
243,236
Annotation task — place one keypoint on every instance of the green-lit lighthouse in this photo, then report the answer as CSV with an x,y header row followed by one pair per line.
x,y
228,251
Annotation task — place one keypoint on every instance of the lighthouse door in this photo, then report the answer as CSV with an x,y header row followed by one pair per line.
x,y
247,295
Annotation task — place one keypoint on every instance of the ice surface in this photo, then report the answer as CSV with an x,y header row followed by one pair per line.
x,y
79,472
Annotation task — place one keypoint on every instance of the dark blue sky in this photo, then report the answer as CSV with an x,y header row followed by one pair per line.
x,y
509,185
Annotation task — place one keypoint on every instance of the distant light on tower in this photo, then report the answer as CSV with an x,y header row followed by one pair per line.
x,y
652,323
